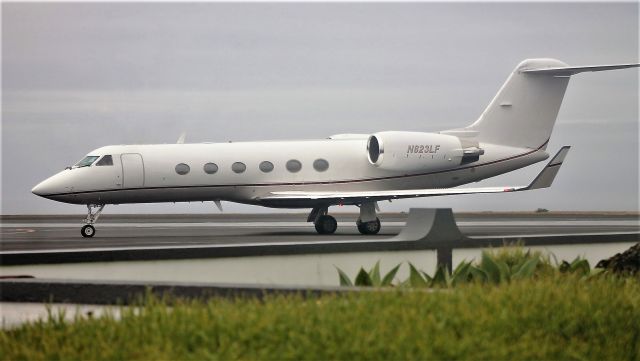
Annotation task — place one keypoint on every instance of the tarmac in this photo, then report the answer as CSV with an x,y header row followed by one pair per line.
x,y
36,232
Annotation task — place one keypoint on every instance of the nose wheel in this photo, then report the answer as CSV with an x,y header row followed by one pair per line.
x,y
89,230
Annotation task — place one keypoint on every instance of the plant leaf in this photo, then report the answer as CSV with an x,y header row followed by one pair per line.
x,y
461,273
580,266
477,274
374,274
415,278
344,279
388,278
426,276
505,271
440,277
489,266
527,269
363,279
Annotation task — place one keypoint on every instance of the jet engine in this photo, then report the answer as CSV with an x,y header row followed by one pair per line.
x,y
417,151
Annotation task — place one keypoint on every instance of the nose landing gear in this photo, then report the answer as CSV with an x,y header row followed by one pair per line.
x,y
88,230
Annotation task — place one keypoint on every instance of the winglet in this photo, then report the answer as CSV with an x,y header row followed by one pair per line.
x,y
182,138
547,175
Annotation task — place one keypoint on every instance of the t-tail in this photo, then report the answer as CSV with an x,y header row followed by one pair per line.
x,y
525,109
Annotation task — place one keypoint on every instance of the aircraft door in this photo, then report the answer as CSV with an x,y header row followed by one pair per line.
x,y
132,170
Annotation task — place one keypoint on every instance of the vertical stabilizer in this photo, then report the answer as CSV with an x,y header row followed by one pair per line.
x,y
524,111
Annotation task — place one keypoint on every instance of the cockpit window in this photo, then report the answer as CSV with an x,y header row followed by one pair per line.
x,y
87,161
106,160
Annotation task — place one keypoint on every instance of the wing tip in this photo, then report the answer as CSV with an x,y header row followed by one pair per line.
x,y
546,177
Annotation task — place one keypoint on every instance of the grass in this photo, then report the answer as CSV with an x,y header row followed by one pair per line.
x,y
559,316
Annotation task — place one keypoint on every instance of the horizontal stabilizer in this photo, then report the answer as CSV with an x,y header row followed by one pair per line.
x,y
543,180
572,70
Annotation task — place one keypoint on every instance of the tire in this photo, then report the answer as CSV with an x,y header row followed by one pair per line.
x,y
88,231
326,225
372,227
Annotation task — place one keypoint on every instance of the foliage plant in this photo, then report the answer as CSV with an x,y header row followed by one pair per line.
x,y
497,266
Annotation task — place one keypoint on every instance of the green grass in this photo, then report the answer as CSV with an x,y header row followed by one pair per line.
x,y
555,317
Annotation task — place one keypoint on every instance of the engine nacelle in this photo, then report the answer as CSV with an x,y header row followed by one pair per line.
x,y
417,151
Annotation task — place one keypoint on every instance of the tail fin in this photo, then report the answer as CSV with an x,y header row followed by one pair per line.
x,y
524,111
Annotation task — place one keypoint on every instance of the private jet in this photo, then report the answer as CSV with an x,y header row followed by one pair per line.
x,y
344,169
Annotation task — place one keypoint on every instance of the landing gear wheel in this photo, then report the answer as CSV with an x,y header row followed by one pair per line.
x,y
326,225
88,231
372,227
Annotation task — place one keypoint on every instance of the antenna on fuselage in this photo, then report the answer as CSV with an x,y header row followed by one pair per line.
x,y
218,204
181,138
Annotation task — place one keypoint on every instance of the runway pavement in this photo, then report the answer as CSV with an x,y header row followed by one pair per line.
x,y
24,233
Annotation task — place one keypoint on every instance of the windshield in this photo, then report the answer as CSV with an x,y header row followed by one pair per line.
x,y
86,161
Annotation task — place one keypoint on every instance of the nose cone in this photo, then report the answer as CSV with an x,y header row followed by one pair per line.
x,y
43,189
57,184
59,187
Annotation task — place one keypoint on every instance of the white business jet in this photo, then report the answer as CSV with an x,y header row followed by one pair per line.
x,y
345,169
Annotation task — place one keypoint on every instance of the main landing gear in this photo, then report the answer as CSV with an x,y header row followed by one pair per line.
x,y
371,227
368,223
88,230
325,224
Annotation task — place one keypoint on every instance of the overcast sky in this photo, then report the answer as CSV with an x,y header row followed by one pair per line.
x,y
76,77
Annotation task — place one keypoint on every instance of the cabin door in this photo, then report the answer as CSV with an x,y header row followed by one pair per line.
x,y
132,170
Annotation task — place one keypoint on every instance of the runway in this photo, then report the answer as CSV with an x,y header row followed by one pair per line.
x,y
30,233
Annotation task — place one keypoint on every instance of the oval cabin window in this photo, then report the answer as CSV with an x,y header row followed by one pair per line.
x,y
238,167
294,166
182,169
266,166
210,168
320,165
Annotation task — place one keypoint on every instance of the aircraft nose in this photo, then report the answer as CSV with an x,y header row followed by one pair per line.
x,y
50,186
41,189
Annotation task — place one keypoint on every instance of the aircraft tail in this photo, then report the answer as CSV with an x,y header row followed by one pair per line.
x,y
524,111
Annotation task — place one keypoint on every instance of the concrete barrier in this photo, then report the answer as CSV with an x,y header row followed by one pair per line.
x,y
431,226
124,293
435,228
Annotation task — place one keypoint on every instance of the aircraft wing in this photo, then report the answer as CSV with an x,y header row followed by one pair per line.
x,y
543,180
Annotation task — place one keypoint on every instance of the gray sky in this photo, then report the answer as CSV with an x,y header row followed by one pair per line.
x,y
79,76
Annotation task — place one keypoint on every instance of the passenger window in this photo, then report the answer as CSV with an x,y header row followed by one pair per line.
x,y
320,165
182,169
106,160
266,166
238,167
294,166
86,161
210,168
